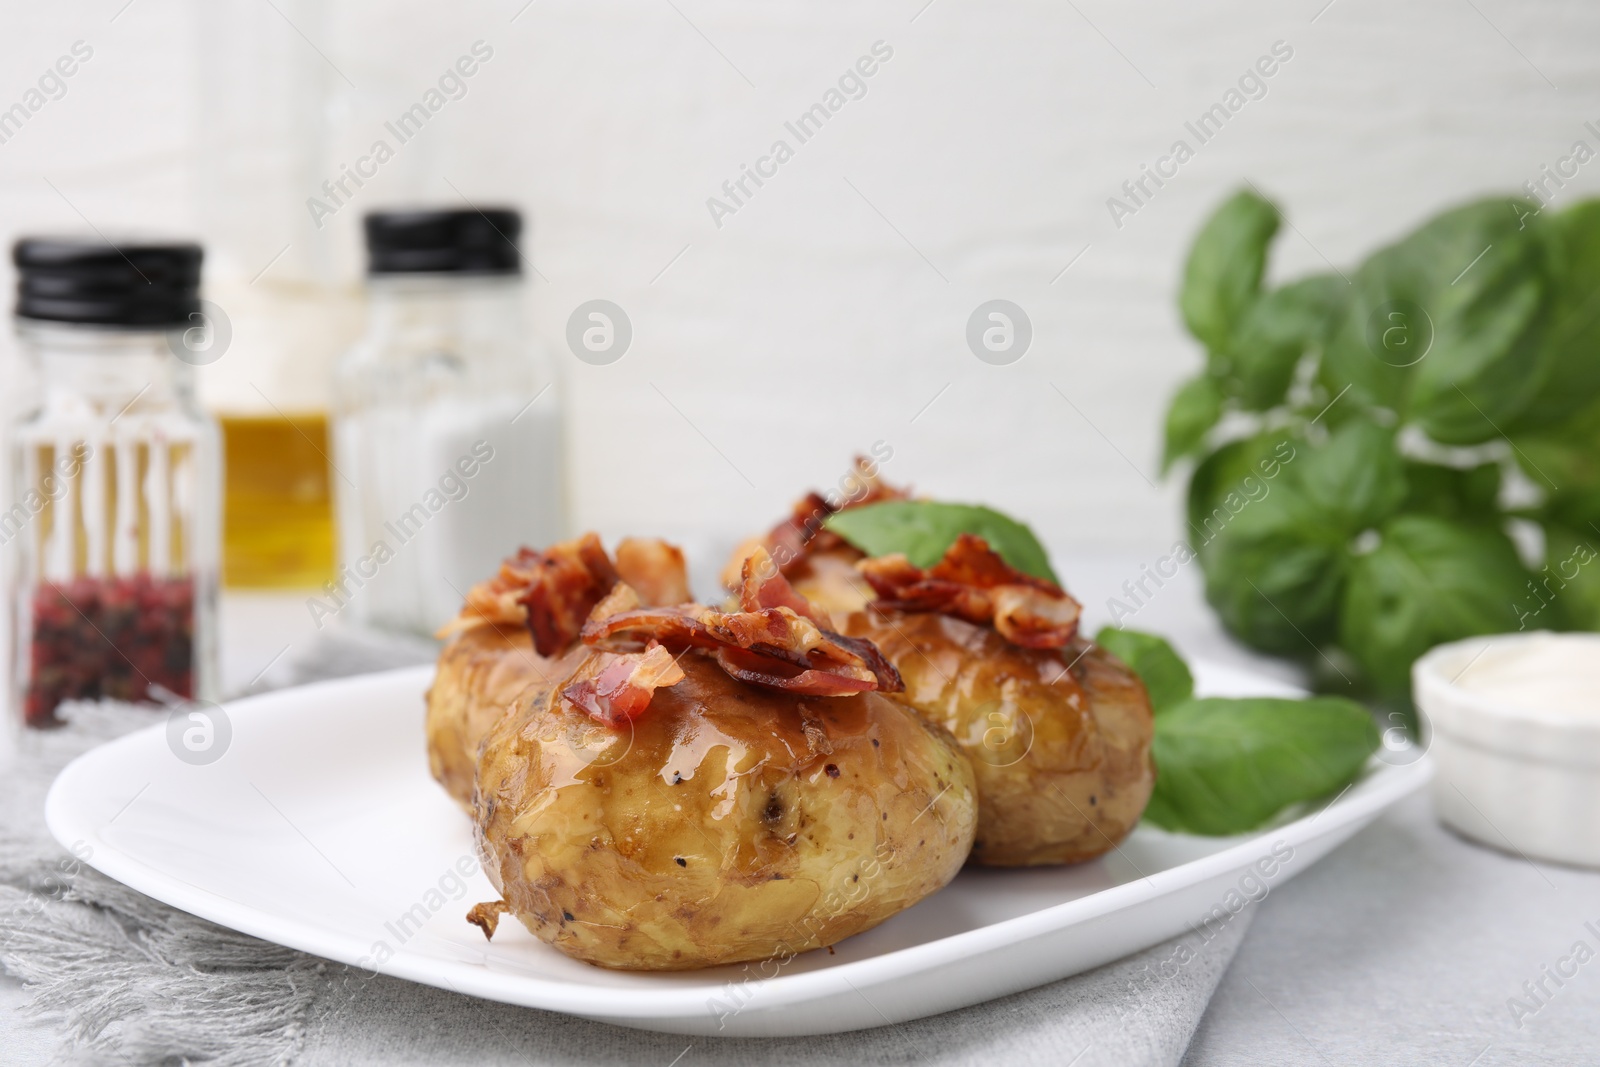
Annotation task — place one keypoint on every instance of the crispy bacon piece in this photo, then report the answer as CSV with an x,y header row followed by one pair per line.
x,y
1033,618
569,579
631,629
494,602
773,640
622,684
655,569
762,585
802,532
552,592
623,597
973,583
759,669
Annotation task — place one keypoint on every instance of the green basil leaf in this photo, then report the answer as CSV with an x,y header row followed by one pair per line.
x,y
1275,569
1228,766
1363,364
1275,334
1444,324
924,529
1576,512
1166,677
1571,576
1279,594
1355,479
1225,265
1489,359
1572,241
1471,494
1194,411
1563,459
1228,476
1427,582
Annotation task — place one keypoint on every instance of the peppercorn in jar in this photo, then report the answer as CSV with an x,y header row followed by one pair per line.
x,y
111,530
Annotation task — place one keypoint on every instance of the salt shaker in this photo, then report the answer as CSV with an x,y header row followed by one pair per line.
x,y
112,530
446,420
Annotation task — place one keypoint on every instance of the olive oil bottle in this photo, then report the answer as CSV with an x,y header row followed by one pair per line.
x,y
269,393
277,512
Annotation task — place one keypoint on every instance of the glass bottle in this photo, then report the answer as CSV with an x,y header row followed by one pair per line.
x,y
446,422
112,529
272,114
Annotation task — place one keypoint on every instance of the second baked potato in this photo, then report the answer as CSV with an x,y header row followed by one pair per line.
x,y
1057,729
1061,753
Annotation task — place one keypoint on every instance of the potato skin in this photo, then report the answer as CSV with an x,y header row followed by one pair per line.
x,y
481,673
731,823
1062,760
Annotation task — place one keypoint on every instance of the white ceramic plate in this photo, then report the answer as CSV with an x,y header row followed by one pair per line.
x,y
319,828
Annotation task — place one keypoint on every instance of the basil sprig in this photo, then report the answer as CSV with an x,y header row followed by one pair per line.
x,y
1229,765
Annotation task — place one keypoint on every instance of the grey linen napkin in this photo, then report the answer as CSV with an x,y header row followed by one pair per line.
x,y
128,980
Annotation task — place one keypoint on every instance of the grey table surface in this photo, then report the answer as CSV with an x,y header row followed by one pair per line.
x,y
1405,945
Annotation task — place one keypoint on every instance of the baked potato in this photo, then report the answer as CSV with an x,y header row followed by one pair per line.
x,y
514,631
1061,753
659,813
1057,729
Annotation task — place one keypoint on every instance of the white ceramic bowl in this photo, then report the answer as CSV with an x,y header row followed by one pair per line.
x,y
1517,772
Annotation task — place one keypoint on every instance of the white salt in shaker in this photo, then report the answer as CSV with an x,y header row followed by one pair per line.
x,y
447,425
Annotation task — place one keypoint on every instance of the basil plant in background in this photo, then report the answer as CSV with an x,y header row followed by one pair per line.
x,y
1401,455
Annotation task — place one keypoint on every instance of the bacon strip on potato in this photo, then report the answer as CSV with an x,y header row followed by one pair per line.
x,y
569,579
622,683
655,569
552,592
775,639
973,583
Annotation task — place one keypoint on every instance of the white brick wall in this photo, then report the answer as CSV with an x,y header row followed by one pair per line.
x,y
805,327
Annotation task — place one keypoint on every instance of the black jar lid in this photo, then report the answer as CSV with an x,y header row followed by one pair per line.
x,y
137,283
439,241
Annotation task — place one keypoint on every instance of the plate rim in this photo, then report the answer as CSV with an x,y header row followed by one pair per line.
x,y
1383,785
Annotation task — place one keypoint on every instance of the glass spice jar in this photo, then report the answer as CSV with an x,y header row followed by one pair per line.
x,y
112,530
447,427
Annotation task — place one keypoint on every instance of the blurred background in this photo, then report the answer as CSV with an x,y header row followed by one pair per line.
x,y
779,329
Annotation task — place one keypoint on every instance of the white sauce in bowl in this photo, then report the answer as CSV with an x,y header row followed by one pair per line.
x,y
1544,673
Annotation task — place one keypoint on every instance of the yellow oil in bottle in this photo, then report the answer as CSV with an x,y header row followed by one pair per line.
x,y
277,511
